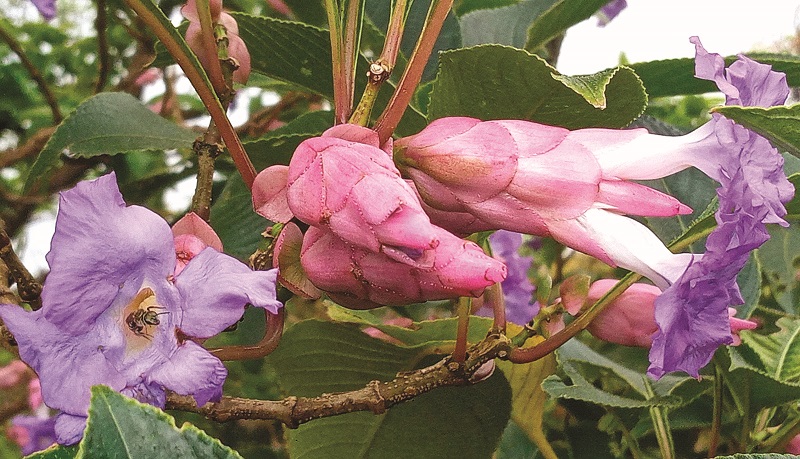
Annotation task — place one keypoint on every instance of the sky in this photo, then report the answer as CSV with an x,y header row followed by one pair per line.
x,y
653,30
646,30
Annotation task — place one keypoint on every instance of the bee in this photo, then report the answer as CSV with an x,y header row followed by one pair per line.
x,y
140,319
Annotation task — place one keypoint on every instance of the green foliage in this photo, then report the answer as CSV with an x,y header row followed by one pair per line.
x,y
781,125
563,14
496,82
108,123
503,24
674,77
120,427
235,221
317,357
56,452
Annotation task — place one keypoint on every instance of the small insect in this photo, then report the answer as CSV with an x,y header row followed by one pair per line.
x,y
140,319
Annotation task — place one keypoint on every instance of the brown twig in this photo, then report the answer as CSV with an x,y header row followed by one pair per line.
x,y
30,148
376,396
28,287
34,73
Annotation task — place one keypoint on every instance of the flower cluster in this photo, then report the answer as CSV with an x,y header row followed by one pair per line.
x,y
370,242
121,308
577,186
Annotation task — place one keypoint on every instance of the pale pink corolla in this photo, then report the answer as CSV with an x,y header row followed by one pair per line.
x,y
546,181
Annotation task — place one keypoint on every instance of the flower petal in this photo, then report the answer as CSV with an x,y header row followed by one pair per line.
x,y
69,428
191,370
68,366
191,223
215,288
98,246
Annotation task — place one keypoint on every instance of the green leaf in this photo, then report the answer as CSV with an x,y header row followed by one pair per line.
x,y
427,333
528,398
779,352
459,422
233,218
559,18
107,124
780,262
498,82
300,54
56,452
466,6
758,456
289,51
780,125
120,427
503,26
277,147
591,87
675,77
574,354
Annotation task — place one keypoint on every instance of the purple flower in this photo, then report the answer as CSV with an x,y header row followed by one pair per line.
x,y
47,8
692,314
32,433
114,313
609,11
517,288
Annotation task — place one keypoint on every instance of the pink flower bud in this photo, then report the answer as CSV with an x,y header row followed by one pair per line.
x,y
12,374
630,319
192,235
344,182
361,279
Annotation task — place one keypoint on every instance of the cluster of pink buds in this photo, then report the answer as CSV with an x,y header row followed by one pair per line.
x,y
369,242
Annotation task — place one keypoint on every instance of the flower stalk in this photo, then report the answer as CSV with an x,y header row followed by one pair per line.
x,y
412,75
28,287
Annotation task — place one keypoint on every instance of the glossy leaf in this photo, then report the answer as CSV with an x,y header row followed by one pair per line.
x,y
780,125
503,24
559,18
316,357
56,452
497,82
107,124
466,6
674,77
528,398
780,261
120,427
235,221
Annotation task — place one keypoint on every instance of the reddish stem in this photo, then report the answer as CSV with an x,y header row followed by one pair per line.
x,y
272,336
390,117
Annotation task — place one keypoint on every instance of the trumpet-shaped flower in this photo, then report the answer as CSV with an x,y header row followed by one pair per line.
x,y
609,11
361,279
114,312
343,182
576,185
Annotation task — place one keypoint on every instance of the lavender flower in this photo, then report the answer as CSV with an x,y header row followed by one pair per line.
x,y
517,288
32,433
609,11
113,308
47,8
692,314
